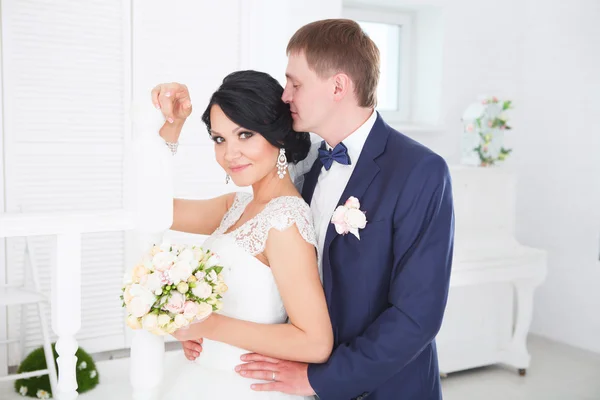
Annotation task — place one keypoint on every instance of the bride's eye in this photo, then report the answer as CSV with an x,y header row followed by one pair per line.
x,y
246,135
217,139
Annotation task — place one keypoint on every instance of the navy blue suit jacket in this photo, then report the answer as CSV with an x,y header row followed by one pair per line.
x,y
387,292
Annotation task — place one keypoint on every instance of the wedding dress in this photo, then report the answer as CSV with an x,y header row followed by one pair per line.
x,y
252,296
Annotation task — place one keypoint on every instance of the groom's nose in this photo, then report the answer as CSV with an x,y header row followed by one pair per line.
x,y
286,97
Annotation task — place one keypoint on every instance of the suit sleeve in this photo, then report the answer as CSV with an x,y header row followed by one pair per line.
x,y
423,243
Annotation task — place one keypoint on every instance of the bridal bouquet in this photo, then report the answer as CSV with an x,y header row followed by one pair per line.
x,y
172,286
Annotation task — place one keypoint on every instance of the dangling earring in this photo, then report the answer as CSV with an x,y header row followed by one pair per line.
x,y
282,163
227,178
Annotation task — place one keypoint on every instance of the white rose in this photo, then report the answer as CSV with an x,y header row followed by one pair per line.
x,y
158,332
221,287
202,290
142,292
204,310
148,264
180,271
137,307
180,321
163,261
127,279
212,276
127,295
199,255
171,328
133,322
186,255
150,322
153,282
356,218
163,319
212,261
212,300
200,275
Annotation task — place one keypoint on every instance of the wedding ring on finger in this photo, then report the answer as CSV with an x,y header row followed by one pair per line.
x,y
273,378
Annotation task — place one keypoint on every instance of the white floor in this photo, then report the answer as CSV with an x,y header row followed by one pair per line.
x,y
557,372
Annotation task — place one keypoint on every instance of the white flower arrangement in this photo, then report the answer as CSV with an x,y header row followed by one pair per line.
x,y
173,286
487,119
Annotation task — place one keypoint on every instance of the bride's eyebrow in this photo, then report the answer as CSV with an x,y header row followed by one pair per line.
x,y
212,132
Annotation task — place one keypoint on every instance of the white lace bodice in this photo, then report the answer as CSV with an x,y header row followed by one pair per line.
x,y
253,294
280,213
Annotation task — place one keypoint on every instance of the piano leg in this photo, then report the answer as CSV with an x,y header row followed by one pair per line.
x,y
516,354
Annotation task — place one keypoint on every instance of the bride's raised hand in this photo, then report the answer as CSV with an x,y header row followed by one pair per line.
x,y
173,99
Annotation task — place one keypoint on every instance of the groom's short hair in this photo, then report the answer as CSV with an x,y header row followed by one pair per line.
x,y
340,45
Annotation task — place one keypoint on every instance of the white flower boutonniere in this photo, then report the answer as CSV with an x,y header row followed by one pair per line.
x,y
349,218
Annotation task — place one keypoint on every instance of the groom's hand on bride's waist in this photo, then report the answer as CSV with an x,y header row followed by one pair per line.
x,y
192,348
286,376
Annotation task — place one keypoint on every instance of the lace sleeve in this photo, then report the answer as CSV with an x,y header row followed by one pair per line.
x,y
293,210
280,214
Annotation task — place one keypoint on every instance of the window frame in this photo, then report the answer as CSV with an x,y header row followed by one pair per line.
x,y
405,21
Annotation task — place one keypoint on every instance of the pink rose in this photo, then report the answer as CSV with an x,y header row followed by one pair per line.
x,y
163,261
190,309
352,202
339,220
175,303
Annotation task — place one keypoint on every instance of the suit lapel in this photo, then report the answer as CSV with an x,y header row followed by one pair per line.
x,y
363,175
310,181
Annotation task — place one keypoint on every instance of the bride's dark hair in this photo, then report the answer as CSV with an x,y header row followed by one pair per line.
x,y
252,100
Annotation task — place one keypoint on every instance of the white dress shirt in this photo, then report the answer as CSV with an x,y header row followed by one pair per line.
x,y
331,184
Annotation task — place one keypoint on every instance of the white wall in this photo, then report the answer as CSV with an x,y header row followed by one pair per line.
x,y
546,57
199,44
558,143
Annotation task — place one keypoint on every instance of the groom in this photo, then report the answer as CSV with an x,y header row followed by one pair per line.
x,y
386,283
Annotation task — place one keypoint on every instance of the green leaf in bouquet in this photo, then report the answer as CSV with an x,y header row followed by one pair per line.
x,y
506,105
218,269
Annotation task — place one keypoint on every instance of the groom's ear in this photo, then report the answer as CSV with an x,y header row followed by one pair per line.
x,y
342,86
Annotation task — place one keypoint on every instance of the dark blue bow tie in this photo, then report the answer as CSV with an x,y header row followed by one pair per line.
x,y
339,154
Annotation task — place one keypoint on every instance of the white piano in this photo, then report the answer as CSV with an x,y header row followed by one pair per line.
x,y
493,279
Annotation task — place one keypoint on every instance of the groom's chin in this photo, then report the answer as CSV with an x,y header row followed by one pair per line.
x,y
298,126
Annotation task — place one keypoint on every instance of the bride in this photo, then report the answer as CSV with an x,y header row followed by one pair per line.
x,y
275,304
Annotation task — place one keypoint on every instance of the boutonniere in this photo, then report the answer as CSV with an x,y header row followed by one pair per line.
x,y
349,217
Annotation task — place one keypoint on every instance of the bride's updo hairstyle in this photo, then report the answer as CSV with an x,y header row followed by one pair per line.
x,y
252,100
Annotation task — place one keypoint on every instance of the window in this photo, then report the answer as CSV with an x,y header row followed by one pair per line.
x,y
391,32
